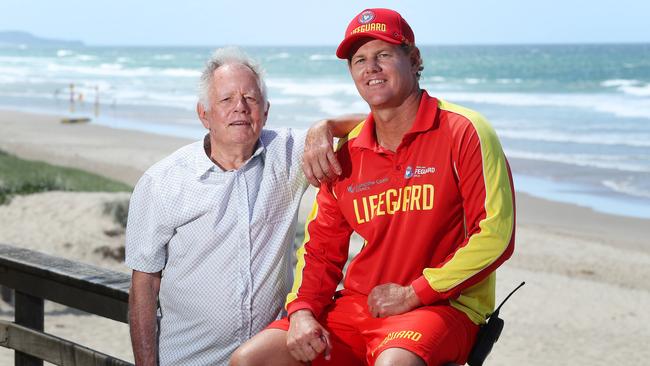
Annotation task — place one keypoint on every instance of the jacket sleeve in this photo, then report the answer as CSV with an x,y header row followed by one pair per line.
x,y
321,258
485,184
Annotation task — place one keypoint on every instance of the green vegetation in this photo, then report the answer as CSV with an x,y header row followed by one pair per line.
x,y
19,176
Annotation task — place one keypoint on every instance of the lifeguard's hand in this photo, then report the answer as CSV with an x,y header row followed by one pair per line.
x,y
392,299
319,162
306,338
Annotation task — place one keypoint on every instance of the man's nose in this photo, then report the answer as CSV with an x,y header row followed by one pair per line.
x,y
241,105
372,66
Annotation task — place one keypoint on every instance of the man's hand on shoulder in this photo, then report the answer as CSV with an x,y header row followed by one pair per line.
x,y
307,338
392,299
319,162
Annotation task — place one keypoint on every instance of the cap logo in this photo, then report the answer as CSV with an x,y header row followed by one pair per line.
x,y
366,17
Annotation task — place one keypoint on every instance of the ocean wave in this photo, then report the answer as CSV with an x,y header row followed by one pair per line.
x,y
628,86
6,79
331,107
432,79
148,98
509,81
86,57
165,56
312,88
320,57
28,94
285,101
634,140
64,53
585,160
180,72
473,81
639,91
119,70
618,105
626,187
22,60
107,92
278,56
613,83
105,69
10,46
13,72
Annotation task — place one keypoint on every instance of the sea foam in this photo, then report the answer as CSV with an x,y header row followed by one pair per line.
x,y
615,104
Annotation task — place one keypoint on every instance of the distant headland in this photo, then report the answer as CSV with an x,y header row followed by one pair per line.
x,y
17,38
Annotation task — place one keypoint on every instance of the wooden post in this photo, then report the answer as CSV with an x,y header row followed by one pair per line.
x,y
7,295
30,313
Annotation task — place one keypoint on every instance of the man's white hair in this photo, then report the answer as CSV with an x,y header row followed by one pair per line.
x,y
224,56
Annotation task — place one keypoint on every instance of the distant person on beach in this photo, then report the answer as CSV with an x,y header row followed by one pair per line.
x,y
211,227
426,184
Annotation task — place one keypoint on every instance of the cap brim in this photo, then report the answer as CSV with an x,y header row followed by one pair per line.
x,y
343,50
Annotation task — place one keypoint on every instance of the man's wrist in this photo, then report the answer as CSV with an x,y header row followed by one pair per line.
x,y
301,314
412,298
424,292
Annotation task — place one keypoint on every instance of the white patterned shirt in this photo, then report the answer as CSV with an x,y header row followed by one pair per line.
x,y
223,241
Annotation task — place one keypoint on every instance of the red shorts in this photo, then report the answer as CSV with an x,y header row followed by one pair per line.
x,y
439,334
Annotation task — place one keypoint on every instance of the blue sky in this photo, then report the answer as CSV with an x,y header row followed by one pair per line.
x,y
214,23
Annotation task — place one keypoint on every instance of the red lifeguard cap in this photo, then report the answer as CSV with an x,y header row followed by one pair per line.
x,y
385,24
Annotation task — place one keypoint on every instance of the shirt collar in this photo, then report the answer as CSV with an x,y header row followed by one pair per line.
x,y
425,120
203,163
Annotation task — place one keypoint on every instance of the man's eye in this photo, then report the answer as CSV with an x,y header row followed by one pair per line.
x,y
359,61
383,55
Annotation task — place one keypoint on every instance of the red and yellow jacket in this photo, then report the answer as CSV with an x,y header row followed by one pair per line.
x,y
437,214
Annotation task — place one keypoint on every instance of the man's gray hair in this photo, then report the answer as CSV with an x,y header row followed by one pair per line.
x,y
224,56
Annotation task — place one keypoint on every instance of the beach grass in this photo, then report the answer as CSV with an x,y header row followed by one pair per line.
x,y
19,176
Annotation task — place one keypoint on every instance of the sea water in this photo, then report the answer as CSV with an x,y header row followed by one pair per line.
x,y
574,120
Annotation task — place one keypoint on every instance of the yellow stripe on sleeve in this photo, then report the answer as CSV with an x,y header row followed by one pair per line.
x,y
300,256
352,134
493,239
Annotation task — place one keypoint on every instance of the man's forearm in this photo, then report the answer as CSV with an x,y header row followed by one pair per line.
x,y
319,163
342,125
143,299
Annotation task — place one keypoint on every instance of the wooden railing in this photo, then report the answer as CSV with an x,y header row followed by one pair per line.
x,y
36,277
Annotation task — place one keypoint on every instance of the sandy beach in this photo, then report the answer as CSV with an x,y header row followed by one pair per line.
x,y
583,303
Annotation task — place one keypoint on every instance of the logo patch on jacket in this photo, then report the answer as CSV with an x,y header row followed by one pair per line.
x,y
418,171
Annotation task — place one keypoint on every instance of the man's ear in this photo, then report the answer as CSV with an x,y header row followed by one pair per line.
x,y
416,58
266,112
201,112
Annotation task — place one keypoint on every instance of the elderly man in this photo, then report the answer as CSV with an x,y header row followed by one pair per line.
x,y
426,184
211,226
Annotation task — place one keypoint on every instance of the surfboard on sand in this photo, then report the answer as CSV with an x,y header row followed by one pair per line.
x,y
75,120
